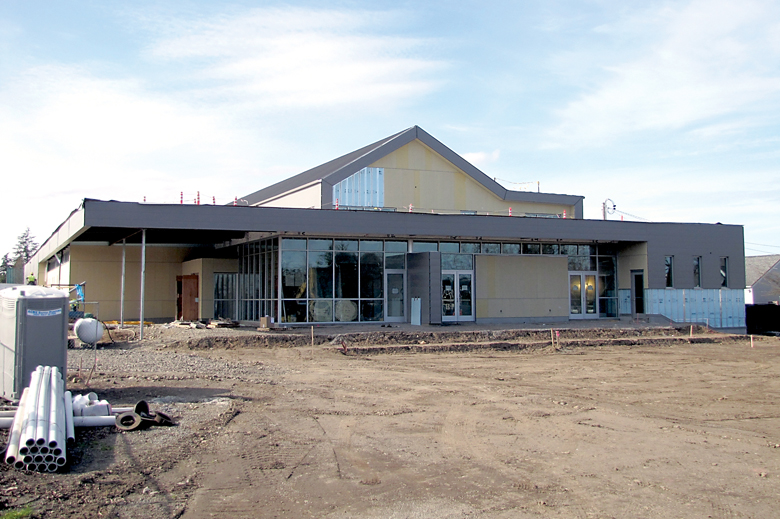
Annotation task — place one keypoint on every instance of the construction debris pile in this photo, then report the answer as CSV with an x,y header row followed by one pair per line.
x,y
45,420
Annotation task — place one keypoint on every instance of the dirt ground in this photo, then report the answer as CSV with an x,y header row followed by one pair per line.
x,y
483,423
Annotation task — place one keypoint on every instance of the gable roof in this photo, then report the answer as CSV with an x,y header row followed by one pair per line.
x,y
333,172
757,266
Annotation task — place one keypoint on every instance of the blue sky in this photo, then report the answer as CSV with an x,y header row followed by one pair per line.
x,y
670,109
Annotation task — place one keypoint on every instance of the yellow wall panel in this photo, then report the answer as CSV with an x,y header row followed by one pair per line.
x,y
631,258
415,174
521,286
101,268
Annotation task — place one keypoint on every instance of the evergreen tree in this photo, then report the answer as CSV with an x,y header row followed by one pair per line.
x,y
25,246
4,264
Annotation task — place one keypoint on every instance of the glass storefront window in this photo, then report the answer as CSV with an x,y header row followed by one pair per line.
x,y
449,247
371,275
549,248
532,248
320,244
470,248
345,310
294,274
608,307
586,263
510,248
425,246
294,243
294,311
606,265
320,311
569,250
346,274
491,248
457,262
396,246
320,274
371,245
395,261
371,310
350,245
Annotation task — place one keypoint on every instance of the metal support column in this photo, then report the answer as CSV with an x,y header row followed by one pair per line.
x,y
143,282
122,293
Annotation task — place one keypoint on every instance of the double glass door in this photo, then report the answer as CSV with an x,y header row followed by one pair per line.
x,y
457,295
583,299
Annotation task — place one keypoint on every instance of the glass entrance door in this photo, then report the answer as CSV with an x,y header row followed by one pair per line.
x,y
396,302
583,295
457,295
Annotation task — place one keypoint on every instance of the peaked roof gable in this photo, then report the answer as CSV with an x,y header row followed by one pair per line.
x,y
757,267
333,172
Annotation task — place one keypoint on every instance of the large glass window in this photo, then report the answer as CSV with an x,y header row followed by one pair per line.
x,y
293,274
320,274
532,248
510,248
396,246
325,280
669,271
225,295
491,248
424,246
346,275
457,262
396,261
371,275
257,283
697,271
724,271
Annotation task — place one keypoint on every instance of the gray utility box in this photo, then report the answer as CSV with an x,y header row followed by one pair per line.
x,y
33,332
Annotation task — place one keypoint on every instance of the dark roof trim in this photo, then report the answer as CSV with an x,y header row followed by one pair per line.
x,y
228,220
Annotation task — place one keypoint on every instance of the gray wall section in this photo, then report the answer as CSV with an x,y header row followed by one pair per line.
x,y
424,277
682,240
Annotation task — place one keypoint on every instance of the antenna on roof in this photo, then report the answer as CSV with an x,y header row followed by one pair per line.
x,y
608,207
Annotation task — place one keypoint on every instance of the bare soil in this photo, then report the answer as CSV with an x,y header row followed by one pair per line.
x,y
429,423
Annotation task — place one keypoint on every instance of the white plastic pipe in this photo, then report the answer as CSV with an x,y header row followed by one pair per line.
x,y
70,434
42,425
6,422
94,421
16,431
54,397
56,436
32,408
12,412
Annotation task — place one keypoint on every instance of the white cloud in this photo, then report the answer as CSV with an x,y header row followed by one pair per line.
x,y
482,158
712,59
302,58
66,135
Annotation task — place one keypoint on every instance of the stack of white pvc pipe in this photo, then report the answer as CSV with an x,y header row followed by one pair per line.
x,y
42,424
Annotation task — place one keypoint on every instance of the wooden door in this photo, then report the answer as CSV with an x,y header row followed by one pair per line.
x,y
188,297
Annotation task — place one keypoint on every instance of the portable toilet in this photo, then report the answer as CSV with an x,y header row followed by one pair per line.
x,y
33,332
